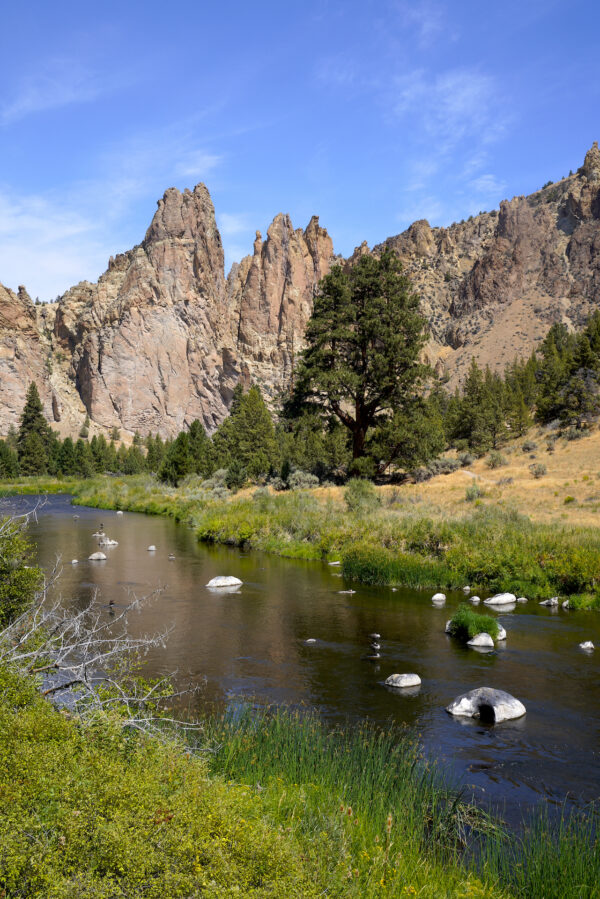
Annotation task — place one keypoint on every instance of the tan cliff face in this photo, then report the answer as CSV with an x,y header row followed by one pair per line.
x,y
163,337
491,287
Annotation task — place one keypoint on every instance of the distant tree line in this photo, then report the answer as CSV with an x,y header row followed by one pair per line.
x,y
362,402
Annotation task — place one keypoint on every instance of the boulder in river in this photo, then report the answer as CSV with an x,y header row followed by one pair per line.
x,y
74,562
438,597
97,557
475,600
447,628
522,599
588,645
501,633
224,581
310,640
489,705
466,590
482,639
152,548
119,512
500,599
403,680
553,601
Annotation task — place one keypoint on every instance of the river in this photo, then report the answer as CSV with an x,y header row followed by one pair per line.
x,y
251,644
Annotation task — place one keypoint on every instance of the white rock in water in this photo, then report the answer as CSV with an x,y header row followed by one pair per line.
x,y
438,597
447,628
310,640
119,512
152,549
475,600
500,599
403,680
466,590
224,581
587,645
97,557
482,639
501,633
566,604
489,705
553,601
74,562
522,599
99,534
335,563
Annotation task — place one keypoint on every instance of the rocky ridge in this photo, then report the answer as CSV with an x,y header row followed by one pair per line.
x,y
163,337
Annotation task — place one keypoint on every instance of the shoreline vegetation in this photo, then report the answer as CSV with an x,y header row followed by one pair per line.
x,y
281,804
379,536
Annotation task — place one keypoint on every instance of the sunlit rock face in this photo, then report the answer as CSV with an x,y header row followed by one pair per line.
x,y
163,337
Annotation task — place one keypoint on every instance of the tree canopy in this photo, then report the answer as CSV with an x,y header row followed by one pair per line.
x,y
364,339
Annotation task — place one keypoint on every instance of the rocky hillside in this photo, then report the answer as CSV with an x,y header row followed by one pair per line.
x,y
163,337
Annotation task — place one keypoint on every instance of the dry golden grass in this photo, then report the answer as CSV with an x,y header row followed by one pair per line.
x,y
573,470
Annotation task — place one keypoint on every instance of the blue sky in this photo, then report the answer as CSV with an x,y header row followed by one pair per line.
x,y
368,114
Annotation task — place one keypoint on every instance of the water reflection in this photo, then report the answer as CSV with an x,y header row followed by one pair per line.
x,y
253,641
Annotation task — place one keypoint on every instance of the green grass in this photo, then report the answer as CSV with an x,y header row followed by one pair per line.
x,y
488,548
465,623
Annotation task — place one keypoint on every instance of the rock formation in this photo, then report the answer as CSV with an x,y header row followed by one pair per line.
x,y
163,337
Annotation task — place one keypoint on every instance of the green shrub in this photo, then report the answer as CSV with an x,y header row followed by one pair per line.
x,y
495,460
473,492
465,459
302,480
361,497
538,469
569,499
465,623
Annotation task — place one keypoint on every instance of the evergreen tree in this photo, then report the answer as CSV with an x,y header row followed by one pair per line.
x,y
247,436
85,428
12,438
134,461
9,461
84,460
156,452
178,461
201,450
33,423
111,463
32,455
363,342
66,458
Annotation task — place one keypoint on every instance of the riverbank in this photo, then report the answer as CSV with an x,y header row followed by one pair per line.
x,y
387,541
94,809
289,807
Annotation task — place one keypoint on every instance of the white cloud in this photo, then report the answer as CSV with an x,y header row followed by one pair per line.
x,y
58,82
429,207
426,18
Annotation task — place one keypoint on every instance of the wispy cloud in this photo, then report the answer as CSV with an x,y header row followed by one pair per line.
x,y
58,82
231,223
427,19
488,186
50,241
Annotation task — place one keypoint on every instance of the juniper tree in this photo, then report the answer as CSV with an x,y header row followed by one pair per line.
x,y
362,362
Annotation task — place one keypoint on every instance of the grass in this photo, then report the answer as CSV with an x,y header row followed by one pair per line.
x,y
466,623
490,547
94,810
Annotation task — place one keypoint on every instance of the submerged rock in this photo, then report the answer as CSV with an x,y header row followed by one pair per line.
x,y
403,680
489,705
482,639
224,581
500,599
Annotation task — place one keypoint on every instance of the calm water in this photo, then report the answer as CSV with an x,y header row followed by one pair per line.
x,y
252,643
